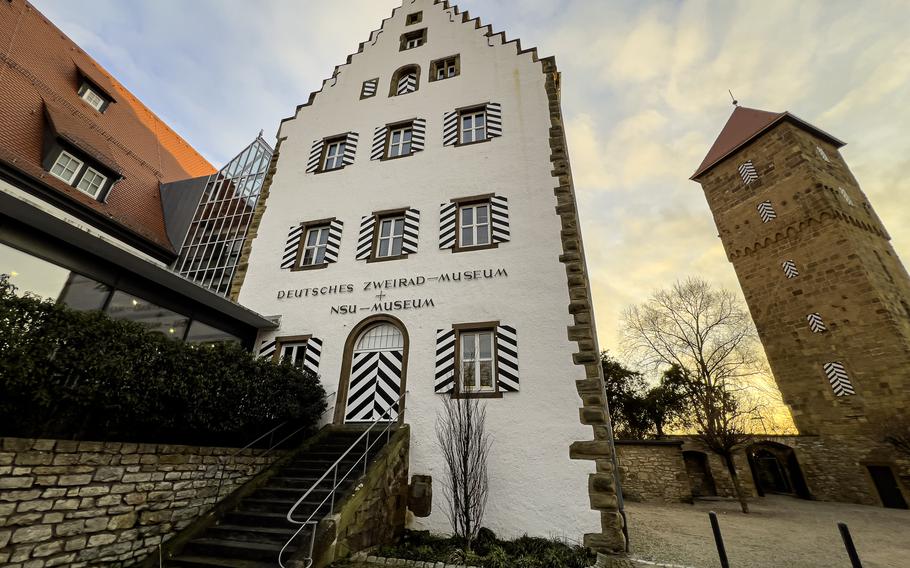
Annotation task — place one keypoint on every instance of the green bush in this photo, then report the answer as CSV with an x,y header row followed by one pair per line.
x,y
82,375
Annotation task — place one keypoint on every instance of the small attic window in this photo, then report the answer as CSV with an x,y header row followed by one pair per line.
x,y
414,18
413,39
93,96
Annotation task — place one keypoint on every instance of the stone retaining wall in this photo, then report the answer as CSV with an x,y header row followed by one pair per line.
x,y
76,504
653,471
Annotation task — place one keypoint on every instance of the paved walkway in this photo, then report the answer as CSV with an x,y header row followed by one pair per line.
x,y
780,532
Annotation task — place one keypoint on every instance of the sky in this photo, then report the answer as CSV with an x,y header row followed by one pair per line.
x,y
644,87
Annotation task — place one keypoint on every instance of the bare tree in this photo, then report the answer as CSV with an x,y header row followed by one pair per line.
x,y
708,335
461,435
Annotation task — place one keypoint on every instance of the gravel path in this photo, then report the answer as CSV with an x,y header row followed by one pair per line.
x,y
779,532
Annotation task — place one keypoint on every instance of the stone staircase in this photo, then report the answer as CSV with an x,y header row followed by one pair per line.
x,y
252,534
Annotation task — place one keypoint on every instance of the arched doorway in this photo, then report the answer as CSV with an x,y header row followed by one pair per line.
x,y
699,473
776,470
373,373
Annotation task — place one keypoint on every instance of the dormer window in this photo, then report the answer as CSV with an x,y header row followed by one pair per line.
x,y
92,98
66,166
413,39
91,183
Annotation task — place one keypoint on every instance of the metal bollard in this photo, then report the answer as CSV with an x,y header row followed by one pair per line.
x,y
848,543
719,540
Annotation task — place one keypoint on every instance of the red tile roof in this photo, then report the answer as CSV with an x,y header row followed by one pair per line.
x,y
40,72
743,126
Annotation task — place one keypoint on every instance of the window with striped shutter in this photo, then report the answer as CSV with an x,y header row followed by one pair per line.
x,y
748,172
291,246
838,379
411,231
399,139
407,84
766,211
444,380
447,218
790,269
333,245
499,212
369,88
454,221
507,358
305,354
816,323
350,147
267,348
365,237
472,125
315,158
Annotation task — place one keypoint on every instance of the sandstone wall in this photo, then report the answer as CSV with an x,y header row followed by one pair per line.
x,y
69,503
653,471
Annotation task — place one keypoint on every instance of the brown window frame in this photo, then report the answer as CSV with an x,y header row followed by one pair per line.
x,y
420,34
396,76
326,142
387,146
379,216
413,18
434,67
460,328
473,109
376,92
307,225
284,340
472,200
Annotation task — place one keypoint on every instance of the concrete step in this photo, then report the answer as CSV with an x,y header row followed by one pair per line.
x,y
235,549
252,533
193,561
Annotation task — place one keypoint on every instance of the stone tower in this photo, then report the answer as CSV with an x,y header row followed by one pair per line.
x,y
829,296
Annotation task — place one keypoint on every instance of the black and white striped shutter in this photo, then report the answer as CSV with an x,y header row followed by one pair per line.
x,y
494,120
369,88
312,355
379,136
766,211
748,172
291,246
447,217
411,231
350,148
315,155
407,84
418,134
365,238
790,269
816,323
267,349
499,213
507,358
444,380
450,128
333,243
840,381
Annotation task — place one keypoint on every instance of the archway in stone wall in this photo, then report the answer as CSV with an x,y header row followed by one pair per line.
x,y
699,472
775,469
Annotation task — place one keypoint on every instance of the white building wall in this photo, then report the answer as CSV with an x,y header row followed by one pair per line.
x,y
534,487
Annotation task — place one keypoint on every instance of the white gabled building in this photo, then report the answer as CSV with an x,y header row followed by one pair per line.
x,y
420,234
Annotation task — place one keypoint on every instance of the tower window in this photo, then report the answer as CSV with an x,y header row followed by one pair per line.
x,y
445,68
748,172
822,154
414,18
413,39
472,126
334,154
66,166
91,183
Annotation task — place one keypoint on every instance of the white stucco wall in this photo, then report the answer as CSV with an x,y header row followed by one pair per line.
x,y
534,487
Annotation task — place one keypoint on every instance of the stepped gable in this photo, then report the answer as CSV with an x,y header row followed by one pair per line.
x,y
41,70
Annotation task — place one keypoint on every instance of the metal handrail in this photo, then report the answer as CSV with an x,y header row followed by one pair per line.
x,y
336,482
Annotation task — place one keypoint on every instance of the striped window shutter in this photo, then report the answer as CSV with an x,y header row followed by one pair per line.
x,y
450,128
418,134
444,380
333,244
407,84
369,88
747,172
790,269
840,381
499,213
267,349
291,246
766,211
379,143
846,197
350,148
315,155
365,238
494,120
816,323
312,355
411,231
447,217
507,358
822,153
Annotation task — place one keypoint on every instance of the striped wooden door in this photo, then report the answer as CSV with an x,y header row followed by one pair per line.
x,y
375,381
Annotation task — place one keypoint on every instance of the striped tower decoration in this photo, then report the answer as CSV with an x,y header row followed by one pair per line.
x,y
790,269
333,243
365,238
444,381
507,358
816,323
840,381
499,215
846,197
291,246
411,231
766,211
494,120
418,134
378,150
312,163
747,172
313,355
267,349
374,387
447,217
407,84
369,88
450,128
350,148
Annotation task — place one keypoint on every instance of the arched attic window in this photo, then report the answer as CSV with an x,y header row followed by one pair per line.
x,y
405,80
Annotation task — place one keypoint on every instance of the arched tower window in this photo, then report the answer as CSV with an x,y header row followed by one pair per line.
x,y
405,80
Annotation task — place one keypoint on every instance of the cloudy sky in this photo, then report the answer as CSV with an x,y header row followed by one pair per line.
x,y
644,93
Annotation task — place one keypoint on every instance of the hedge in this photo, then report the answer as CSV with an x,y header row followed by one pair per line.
x,y
82,375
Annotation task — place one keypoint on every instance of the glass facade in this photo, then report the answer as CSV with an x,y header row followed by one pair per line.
x,y
211,250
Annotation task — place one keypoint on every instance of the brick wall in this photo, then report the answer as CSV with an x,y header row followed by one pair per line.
x,y
68,503
653,471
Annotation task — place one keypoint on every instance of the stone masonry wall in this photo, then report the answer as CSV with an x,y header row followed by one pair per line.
x,y
653,471
76,504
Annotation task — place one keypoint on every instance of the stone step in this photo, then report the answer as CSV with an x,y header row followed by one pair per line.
x,y
193,561
266,518
235,549
251,533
